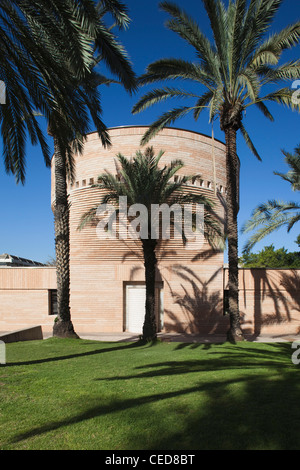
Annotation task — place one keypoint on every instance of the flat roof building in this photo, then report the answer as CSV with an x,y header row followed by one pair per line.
x,y
14,261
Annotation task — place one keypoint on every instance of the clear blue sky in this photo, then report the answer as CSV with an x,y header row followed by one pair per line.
x,y
26,218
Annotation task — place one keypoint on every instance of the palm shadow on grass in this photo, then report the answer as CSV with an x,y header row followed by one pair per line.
x,y
255,405
110,347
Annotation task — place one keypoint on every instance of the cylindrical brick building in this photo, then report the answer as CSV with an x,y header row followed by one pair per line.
x,y
107,291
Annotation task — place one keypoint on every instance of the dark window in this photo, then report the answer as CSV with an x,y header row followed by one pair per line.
x,y
53,302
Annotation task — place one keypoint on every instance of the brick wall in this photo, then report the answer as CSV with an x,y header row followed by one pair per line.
x,y
193,281
269,300
24,298
100,269
193,298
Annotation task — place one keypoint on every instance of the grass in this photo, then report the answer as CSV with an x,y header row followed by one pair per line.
x,y
79,394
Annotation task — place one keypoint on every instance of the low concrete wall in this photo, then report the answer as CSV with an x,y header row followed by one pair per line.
x,y
28,334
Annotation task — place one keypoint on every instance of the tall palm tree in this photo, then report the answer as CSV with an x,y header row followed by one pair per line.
x,y
143,182
47,53
38,42
68,138
232,71
272,215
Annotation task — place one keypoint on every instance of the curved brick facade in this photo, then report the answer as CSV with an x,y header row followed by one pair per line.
x,y
192,281
105,274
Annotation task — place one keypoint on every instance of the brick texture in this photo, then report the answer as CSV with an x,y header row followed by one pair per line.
x,y
24,298
269,301
192,280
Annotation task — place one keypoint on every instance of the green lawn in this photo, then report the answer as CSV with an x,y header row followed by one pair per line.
x,y
77,394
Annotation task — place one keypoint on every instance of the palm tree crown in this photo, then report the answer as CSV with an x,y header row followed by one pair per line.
x,y
144,182
234,68
233,72
45,47
293,175
272,215
69,134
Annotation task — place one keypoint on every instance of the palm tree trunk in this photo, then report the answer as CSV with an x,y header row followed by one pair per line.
x,y
63,327
232,198
150,262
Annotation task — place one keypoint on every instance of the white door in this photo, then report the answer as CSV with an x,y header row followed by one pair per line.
x,y
135,308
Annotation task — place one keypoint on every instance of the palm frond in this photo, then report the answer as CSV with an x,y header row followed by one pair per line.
x,y
203,103
143,181
187,29
249,84
160,94
269,51
165,120
235,18
117,9
249,142
219,24
233,67
173,69
264,109
285,72
282,96
269,217
47,47
87,218
116,58
256,23
293,175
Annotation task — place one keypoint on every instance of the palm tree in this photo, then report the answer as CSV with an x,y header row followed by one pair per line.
x,y
39,41
143,182
232,72
272,215
69,137
293,175
47,54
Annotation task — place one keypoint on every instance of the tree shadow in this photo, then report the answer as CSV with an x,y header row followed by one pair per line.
x,y
291,283
278,356
284,291
264,416
253,407
101,349
201,307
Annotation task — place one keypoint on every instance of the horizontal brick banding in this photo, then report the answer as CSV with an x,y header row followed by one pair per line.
x,y
100,268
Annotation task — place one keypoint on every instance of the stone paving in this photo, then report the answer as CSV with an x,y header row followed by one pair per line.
x,y
127,337
176,337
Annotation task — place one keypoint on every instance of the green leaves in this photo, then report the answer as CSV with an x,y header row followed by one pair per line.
x,y
165,120
158,95
282,96
269,217
272,215
293,175
268,257
47,54
143,181
230,70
